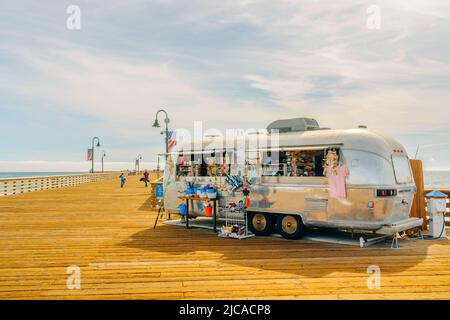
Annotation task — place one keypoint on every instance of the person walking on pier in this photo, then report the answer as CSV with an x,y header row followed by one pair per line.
x,y
122,180
146,178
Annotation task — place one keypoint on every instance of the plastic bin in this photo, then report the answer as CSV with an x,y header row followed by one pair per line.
x,y
182,209
211,193
208,211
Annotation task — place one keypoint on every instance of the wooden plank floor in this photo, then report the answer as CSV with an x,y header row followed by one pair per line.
x,y
108,233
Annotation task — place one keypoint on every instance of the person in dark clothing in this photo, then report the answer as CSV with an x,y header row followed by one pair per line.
x,y
203,168
146,178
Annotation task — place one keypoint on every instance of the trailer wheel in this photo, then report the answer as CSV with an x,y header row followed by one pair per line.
x,y
290,226
260,223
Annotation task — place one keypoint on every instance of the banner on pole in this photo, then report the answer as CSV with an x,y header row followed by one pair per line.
x,y
171,139
89,154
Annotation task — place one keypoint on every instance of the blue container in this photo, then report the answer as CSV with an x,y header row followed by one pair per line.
x,y
202,192
182,208
211,193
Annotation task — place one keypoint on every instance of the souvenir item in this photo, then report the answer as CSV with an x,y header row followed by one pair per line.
x,y
330,163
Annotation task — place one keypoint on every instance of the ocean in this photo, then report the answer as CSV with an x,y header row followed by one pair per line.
x,y
433,179
34,174
437,179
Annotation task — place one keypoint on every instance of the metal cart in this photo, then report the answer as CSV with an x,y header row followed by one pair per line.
x,y
236,225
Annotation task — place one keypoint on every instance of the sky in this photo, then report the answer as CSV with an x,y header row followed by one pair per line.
x,y
230,64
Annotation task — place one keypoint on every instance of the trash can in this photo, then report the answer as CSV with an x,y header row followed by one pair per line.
x,y
437,208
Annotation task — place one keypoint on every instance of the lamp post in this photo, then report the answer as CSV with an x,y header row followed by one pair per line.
x,y
103,155
138,161
98,145
166,121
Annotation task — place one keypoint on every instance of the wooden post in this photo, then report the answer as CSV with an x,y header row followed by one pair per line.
x,y
418,207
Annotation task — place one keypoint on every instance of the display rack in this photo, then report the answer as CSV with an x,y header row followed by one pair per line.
x,y
192,198
235,220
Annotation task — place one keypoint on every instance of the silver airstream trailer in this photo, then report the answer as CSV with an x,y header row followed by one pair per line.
x,y
289,186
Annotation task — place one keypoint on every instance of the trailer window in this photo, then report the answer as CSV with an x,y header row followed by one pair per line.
x,y
296,163
204,164
402,169
367,168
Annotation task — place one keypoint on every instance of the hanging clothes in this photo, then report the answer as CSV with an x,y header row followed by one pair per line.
x,y
336,182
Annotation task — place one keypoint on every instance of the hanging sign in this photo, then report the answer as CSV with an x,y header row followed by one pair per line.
x,y
89,154
159,191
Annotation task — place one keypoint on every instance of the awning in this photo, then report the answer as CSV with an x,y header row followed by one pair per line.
x,y
296,148
274,149
196,152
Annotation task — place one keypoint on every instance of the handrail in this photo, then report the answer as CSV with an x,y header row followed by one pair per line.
x,y
15,186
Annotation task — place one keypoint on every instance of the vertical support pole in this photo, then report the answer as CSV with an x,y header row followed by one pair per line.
x,y
92,162
215,214
186,216
418,207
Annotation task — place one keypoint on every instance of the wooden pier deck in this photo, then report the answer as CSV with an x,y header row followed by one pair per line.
x,y
108,233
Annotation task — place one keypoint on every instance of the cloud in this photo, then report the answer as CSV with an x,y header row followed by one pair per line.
x,y
103,84
239,63
128,92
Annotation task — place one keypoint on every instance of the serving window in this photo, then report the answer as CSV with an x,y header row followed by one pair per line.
x,y
204,164
293,163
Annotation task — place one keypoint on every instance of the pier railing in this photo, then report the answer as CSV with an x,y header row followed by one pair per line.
x,y
10,186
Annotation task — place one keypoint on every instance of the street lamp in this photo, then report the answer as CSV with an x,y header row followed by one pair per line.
x,y
138,158
156,125
103,155
98,145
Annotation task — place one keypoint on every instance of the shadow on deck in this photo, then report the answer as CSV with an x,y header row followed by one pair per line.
x,y
299,257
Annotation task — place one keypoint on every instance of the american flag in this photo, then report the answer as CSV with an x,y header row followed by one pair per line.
x,y
89,154
171,139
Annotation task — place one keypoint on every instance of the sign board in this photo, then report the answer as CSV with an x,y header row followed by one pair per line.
x,y
159,191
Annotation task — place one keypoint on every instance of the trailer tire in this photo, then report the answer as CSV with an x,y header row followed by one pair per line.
x,y
290,226
260,224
